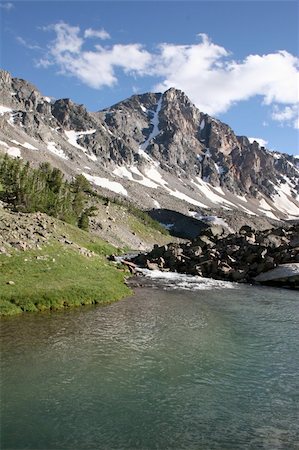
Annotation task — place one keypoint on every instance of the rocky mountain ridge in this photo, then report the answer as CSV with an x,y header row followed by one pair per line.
x,y
157,150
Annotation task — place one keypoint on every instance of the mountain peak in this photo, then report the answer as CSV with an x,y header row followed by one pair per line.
x,y
5,77
162,142
174,91
174,94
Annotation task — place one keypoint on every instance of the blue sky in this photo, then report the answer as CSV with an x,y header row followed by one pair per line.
x,y
236,60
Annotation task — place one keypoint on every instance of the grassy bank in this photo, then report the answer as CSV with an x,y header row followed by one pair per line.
x,y
57,277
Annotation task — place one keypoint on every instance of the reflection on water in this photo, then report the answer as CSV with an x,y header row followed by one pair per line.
x,y
165,369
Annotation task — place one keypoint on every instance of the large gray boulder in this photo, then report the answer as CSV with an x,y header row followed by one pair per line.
x,y
284,275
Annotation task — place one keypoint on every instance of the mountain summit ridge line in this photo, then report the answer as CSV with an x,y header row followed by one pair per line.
x,y
156,149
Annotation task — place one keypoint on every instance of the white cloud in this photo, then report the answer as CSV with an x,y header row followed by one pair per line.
x,y
288,115
205,71
67,39
95,68
43,62
215,82
27,44
101,34
260,141
7,6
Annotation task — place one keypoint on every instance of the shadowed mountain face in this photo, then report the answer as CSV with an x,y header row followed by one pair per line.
x,y
157,150
178,224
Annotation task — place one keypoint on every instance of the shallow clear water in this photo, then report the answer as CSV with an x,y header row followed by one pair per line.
x,y
214,367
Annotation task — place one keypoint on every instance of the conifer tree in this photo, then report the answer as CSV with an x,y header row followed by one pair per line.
x,y
44,189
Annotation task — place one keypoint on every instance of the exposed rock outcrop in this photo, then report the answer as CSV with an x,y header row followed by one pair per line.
x,y
22,232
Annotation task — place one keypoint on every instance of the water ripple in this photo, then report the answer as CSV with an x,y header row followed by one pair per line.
x,y
204,369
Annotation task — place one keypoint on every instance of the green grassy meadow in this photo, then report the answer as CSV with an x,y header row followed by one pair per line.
x,y
58,277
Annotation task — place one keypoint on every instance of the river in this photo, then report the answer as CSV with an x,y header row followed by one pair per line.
x,y
183,364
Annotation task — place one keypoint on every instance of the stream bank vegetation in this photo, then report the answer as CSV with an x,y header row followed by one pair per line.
x,y
68,266
62,273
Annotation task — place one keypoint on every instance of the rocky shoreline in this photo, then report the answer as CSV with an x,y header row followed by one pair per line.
x,y
248,256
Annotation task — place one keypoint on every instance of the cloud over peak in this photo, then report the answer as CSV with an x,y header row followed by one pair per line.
x,y
205,71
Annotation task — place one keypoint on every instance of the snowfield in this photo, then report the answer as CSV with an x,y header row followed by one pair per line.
x,y
51,146
105,183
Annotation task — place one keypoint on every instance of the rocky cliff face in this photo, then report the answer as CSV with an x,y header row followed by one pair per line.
x,y
158,150
190,142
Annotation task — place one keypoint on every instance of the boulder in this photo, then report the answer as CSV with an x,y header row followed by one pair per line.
x,y
151,266
215,230
238,275
246,229
239,257
282,275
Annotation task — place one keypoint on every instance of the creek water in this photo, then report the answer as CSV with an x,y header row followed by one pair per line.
x,y
183,364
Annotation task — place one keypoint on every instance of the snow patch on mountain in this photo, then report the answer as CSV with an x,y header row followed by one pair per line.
x,y
269,214
266,209
91,156
4,144
264,205
105,183
51,146
242,198
152,173
25,145
283,201
248,211
123,172
155,123
11,120
4,109
14,141
220,170
14,152
129,172
142,153
29,146
73,136
182,196
206,189
151,177
143,179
